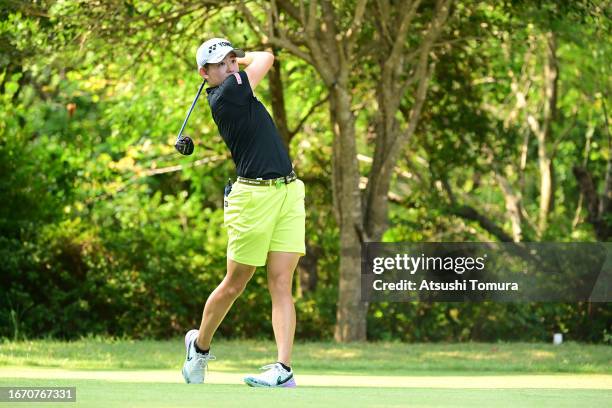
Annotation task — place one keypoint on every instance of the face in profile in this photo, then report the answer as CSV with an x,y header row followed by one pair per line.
x,y
215,74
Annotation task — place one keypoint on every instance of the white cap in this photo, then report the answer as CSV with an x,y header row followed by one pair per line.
x,y
215,50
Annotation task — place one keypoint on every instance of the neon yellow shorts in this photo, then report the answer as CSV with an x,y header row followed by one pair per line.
x,y
260,219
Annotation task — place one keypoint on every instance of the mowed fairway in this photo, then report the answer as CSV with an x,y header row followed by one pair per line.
x,y
147,374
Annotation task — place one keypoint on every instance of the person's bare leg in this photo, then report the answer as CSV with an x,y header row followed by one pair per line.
x,y
221,299
281,266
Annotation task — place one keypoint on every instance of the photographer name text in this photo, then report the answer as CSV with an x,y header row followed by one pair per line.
x,y
457,285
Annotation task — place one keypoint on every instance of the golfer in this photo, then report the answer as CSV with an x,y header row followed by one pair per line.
x,y
264,210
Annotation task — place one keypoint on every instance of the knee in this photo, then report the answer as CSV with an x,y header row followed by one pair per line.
x,y
232,289
280,286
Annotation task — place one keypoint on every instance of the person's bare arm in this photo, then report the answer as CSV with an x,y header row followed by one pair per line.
x,y
257,64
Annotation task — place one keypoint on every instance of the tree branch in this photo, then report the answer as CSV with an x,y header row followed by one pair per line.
x,y
306,116
393,64
355,25
269,38
470,213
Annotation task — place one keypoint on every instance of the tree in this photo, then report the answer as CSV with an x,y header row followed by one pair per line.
x,y
336,40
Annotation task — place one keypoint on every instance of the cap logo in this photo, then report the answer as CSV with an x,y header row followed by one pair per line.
x,y
220,44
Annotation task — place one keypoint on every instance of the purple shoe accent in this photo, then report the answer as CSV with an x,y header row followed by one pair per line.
x,y
253,382
289,384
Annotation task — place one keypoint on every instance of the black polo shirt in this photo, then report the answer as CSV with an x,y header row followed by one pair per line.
x,y
248,130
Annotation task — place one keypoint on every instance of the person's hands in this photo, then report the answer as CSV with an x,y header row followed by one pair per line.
x,y
246,60
184,145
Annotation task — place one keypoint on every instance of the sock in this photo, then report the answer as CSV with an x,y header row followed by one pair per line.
x,y
285,367
199,350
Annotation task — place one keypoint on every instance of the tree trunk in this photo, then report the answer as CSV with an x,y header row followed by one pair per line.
x,y
391,138
308,272
546,193
351,312
606,198
278,102
513,207
551,75
594,217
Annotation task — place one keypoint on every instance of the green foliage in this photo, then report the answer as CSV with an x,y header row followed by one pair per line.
x,y
104,229
420,322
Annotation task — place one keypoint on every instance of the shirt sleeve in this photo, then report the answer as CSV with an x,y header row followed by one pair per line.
x,y
236,88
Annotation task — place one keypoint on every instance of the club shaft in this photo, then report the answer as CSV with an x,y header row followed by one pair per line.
x,y
190,109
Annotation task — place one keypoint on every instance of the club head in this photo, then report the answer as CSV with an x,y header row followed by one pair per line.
x,y
184,145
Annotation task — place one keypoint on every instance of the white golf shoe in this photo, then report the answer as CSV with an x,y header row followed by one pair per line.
x,y
194,368
274,376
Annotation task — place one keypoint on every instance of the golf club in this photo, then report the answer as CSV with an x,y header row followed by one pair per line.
x,y
184,144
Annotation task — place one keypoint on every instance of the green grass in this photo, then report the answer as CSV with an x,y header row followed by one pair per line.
x,y
134,395
466,364
382,358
